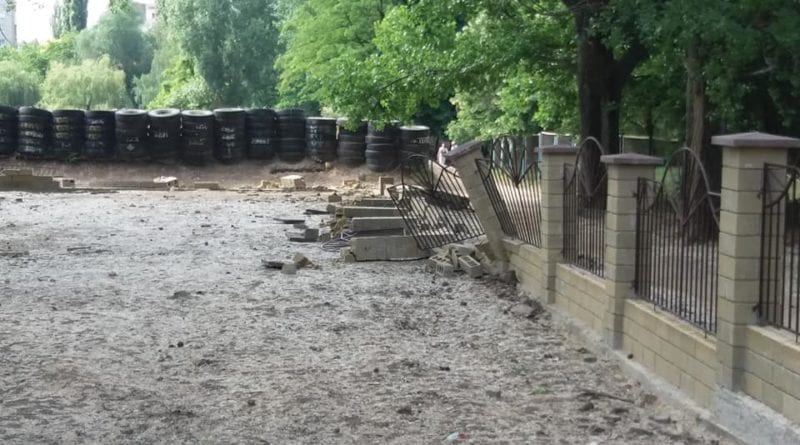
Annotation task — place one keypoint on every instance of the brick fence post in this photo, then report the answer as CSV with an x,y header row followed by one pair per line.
x,y
743,159
463,159
624,171
553,159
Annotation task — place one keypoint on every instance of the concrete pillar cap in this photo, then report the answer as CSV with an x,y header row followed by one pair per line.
x,y
463,150
755,140
631,159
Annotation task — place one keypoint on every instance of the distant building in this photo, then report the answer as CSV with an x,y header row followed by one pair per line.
x,y
8,25
148,10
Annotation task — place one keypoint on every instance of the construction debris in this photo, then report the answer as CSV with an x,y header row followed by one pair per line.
x,y
293,182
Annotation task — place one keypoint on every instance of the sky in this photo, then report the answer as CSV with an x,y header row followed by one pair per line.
x,y
33,18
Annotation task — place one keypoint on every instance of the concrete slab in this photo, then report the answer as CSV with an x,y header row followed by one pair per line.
x,y
362,212
373,224
383,248
28,183
373,202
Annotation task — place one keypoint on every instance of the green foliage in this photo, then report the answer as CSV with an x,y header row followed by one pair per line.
x,y
147,86
328,43
182,88
233,46
69,16
19,85
118,35
92,84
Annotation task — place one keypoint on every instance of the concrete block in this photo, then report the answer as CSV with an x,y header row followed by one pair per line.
x,y
373,224
472,267
66,183
301,261
444,269
384,182
366,212
289,268
293,182
306,235
347,255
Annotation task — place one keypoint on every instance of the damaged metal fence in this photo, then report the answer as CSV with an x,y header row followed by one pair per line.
x,y
434,204
512,181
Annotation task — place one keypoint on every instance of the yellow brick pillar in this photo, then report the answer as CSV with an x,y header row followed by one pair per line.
x,y
463,160
553,159
624,171
743,159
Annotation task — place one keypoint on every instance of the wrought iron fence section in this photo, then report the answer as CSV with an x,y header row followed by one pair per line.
x,y
585,193
434,204
779,299
677,241
512,182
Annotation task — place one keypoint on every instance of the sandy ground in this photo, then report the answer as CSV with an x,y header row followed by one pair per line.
x,y
146,317
245,174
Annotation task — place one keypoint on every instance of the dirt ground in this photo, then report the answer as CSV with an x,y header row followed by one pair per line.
x,y
147,317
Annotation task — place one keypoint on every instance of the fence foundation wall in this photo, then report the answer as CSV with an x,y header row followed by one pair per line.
x,y
740,366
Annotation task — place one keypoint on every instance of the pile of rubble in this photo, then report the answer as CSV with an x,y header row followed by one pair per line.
x,y
476,260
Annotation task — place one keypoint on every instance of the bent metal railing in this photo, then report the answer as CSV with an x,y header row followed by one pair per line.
x,y
434,204
585,190
779,297
512,184
677,241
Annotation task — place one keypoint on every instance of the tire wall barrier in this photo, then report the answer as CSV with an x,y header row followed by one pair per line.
x,y
199,137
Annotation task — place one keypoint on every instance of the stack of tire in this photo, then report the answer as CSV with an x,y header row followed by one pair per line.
x,y
165,134
382,141
8,131
68,130
352,143
132,139
321,139
292,135
261,133
231,132
198,136
415,140
35,133
100,135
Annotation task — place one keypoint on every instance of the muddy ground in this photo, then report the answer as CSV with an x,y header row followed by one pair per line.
x,y
146,317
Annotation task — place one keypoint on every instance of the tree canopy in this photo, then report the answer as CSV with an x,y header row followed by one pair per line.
x,y
92,84
232,45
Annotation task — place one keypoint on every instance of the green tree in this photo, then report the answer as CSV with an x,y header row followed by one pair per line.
x,y
19,85
69,16
233,46
181,87
165,55
92,84
119,35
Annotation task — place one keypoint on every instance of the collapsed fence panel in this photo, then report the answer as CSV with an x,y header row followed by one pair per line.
x,y
434,204
677,241
512,182
585,196
779,300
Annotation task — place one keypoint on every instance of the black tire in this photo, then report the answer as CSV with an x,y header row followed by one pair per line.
x,y
164,113
33,111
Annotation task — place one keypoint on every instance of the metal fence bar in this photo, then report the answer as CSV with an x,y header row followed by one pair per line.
x,y
434,204
779,297
513,187
677,242
584,211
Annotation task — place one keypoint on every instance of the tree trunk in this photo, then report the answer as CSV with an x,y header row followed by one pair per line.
x,y
698,137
